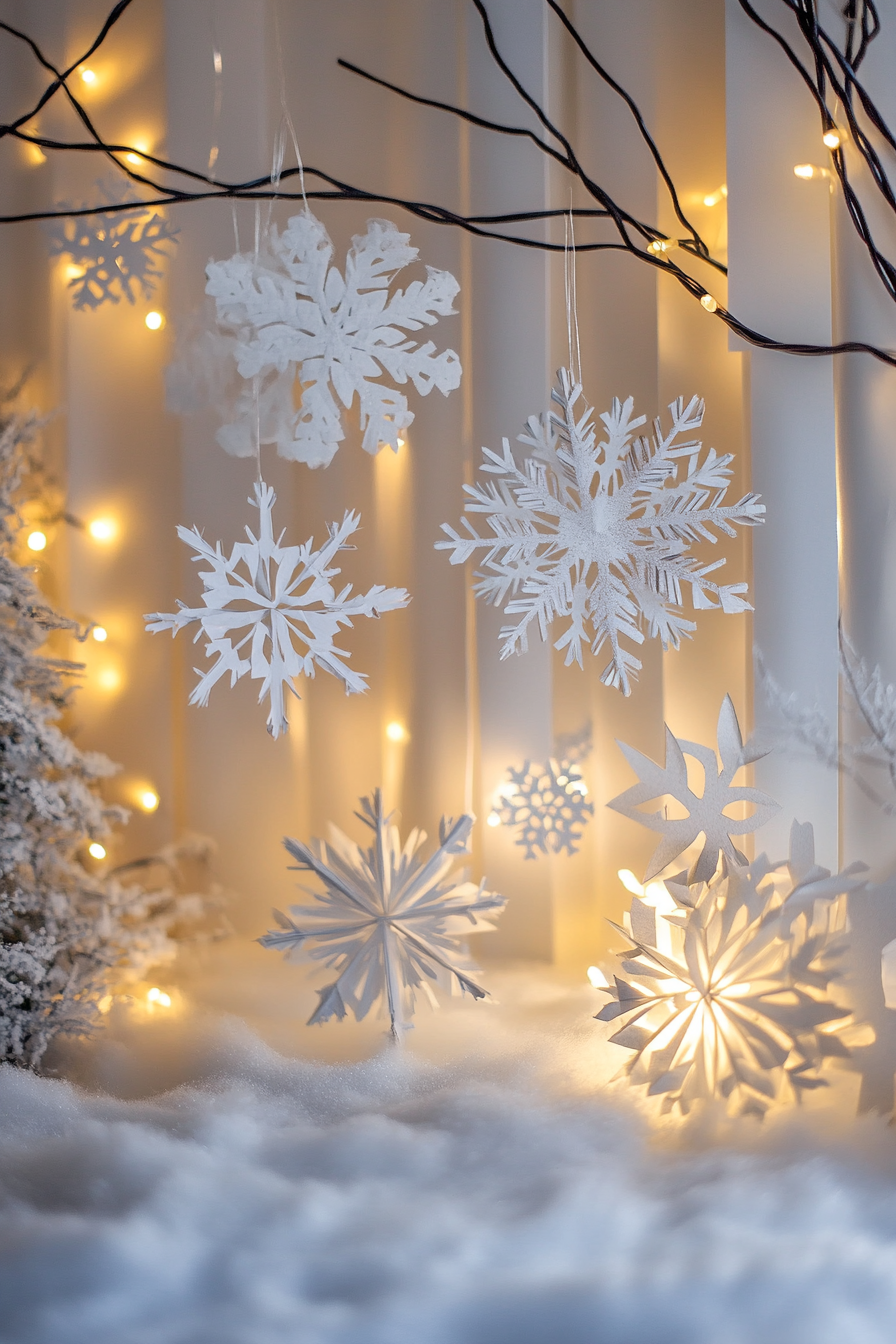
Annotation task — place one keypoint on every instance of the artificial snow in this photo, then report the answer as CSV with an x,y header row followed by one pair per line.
x,y
478,1187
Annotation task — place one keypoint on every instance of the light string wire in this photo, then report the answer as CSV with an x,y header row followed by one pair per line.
x,y
834,69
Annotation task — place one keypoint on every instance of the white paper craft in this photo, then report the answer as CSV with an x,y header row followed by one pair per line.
x,y
387,920
598,533
548,805
706,811
312,337
273,598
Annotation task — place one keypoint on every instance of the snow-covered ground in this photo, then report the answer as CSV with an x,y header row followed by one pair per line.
x,y
477,1188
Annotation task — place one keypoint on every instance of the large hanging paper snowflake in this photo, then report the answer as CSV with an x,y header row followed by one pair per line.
x,y
599,533
705,813
725,984
273,598
548,804
114,255
296,320
387,920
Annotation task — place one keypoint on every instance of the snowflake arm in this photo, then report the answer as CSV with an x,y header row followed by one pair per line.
x,y
270,611
387,921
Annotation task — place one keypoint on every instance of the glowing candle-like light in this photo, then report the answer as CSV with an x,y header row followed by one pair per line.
x,y
709,303
715,197
148,800
102,529
156,995
832,138
100,634
155,321
493,819
96,850
396,732
37,541
88,76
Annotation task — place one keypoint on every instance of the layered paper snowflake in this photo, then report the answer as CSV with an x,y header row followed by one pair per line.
x,y
725,984
704,813
277,605
598,534
311,340
113,255
387,920
547,804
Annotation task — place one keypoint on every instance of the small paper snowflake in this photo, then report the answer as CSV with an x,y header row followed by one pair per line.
x,y
114,254
387,920
705,813
599,533
295,319
725,984
280,596
548,804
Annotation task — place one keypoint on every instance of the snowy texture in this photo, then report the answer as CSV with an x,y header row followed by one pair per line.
x,y
704,813
391,1201
387,920
548,806
272,598
294,318
116,254
725,984
598,533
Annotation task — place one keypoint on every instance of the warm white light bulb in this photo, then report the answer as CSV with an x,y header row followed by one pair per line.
x,y
715,197
155,321
396,732
493,819
109,679
133,158
149,800
832,138
804,170
156,995
37,541
96,850
709,303
102,529
88,76
100,634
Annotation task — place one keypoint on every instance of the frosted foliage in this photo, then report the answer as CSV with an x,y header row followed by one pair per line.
x,y
548,806
597,534
312,340
705,813
388,920
271,612
116,253
725,984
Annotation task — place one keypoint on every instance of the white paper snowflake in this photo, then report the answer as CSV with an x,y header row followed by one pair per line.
x,y
704,813
599,532
296,320
281,597
725,984
548,804
387,920
114,255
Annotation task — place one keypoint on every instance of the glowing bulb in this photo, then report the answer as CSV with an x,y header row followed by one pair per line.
x,y
155,321
218,62
96,850
493,819
36,154
100,634
149,800
808,170
660,245
158,996
88,76
37,541
102,529
709,303
109,679
630,882
396,732
597,978
133,158
715,197
832,138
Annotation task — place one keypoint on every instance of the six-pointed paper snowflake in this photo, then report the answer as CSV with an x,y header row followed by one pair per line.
x,y
599,533
113,254
297,320
725,984
705,813
548,804
272,598
387,920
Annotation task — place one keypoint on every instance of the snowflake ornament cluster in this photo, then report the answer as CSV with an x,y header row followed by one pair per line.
x,y
547,804
308,340
114,254
387,920
598,533
271,612
725,983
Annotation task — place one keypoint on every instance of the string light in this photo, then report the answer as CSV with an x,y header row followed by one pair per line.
x,y
100,634
37,541
148,800
35,154
809,170
396,732
493,819
88,76
660,245
709,303
102,529
96,850
832,138
158,996
155,321
715,197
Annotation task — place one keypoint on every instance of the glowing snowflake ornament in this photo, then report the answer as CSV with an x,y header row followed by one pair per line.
x,y
548,804
114,255
598,533
387,920
273,597
298,324
705,813
725,984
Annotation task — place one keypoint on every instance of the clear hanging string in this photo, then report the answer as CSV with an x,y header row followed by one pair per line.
x,y
572,309
218,63
286,122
